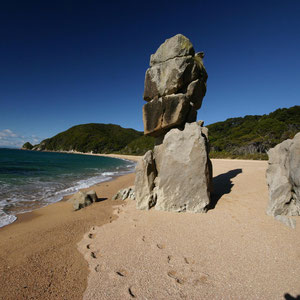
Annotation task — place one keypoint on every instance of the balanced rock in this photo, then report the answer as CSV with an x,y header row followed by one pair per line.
x,y
83,199
177,174
283,178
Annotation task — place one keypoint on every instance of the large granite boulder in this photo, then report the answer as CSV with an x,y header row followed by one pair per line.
x,y
184,173
176,73
283,178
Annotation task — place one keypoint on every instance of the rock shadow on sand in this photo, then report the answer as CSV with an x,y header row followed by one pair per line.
x,y
222,185
101,199
287,296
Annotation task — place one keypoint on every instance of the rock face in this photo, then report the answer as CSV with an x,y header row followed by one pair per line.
x,y
283,178
177,174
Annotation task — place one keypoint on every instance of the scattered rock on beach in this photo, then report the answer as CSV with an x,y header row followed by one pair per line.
x,y
82,199
283,178
124,194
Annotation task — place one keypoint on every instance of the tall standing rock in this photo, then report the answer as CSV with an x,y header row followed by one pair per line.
x,y
177,175
283,178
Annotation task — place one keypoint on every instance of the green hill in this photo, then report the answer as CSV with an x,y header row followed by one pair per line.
x,y
27,146
248,137
98,138
252,136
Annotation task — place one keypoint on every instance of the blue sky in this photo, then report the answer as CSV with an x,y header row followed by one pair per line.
x,y
65,63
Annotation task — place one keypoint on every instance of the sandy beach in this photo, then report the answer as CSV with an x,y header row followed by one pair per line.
x,y
38,254
235,251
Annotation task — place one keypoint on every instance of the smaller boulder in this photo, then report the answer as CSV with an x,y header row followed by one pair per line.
x,y
124,194
83,199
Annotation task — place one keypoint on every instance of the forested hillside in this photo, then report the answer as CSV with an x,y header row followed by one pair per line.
x,y
98,138
247,137
253,135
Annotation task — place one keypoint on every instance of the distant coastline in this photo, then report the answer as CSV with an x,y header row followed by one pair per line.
x,y
133,158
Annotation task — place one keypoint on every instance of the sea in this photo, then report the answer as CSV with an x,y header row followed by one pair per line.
x,y
30,179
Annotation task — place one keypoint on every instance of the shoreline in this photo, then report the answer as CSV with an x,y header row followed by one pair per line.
x,y
130,158
44,242
134,158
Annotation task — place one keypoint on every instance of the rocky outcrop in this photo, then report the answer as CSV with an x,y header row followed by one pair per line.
x,y
83,199
177,174
175,85
283,178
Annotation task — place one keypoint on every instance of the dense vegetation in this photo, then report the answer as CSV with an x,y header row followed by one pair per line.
x,y
252,136
98,138
248,137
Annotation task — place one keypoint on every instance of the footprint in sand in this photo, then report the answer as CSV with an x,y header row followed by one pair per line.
x,y
160,246
88,246
90,235
143,238
132,292
93,255
169,258
122,273
97,268
203,279
186,260
174,275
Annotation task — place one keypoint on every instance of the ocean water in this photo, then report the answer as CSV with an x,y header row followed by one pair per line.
x,y
29,179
